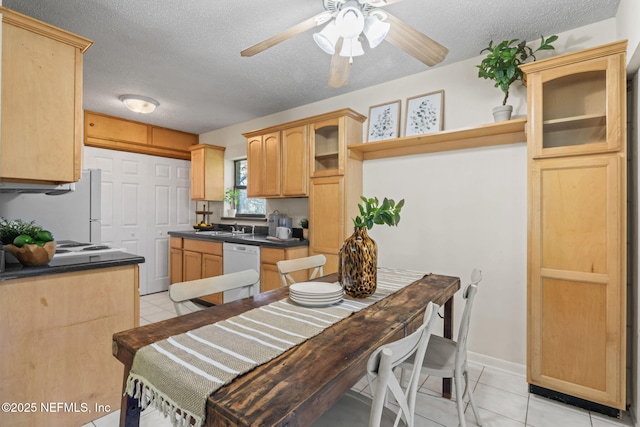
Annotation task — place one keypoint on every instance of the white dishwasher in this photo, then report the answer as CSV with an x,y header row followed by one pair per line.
x,y
237,257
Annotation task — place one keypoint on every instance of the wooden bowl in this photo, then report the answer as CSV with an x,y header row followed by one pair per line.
x,y
32,255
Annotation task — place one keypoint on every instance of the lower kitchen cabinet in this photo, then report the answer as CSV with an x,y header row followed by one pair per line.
x,y
269,276
175,260
56,334
200,259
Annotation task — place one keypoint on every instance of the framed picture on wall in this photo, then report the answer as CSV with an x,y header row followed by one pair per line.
x,y
384,121
424,113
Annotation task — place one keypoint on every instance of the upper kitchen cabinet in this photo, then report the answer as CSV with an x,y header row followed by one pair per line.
x,y
577,231
575,102
207,172
114,133
264,165
295,161
41,130
277,162
281,159
330,136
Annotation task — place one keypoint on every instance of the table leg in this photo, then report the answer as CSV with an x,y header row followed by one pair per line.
x,y
129,406
448,333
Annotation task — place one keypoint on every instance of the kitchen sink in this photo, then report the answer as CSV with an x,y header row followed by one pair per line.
x,y
213,233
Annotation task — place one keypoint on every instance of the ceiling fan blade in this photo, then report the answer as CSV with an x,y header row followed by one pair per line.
x,y
413,42
287,34
340,67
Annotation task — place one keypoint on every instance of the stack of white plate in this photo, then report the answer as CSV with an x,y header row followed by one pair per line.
x,y
315,294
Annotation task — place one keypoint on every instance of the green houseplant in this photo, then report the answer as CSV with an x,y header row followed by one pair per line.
x,y
501,64
358,257
232,196
27,241
304,223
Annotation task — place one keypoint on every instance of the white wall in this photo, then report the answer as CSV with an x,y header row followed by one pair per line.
x,y
627,28
464,209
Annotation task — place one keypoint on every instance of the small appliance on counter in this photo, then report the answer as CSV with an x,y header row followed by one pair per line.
x,y
277,219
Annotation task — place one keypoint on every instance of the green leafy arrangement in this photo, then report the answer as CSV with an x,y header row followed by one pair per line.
x,y
232,196
304,223
502,61
9,230
372,212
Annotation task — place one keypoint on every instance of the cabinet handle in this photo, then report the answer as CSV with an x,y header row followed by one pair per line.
x,y
91,124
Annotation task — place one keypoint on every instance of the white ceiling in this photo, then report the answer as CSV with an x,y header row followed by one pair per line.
x,y
186,54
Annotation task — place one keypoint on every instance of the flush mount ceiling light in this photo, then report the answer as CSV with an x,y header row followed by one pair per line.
x,y
139,104
348,23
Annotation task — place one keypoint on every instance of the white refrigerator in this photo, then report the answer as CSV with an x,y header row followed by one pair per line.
x,y
70,216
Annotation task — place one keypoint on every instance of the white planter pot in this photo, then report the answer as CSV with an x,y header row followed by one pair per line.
x,y
231,213
502,113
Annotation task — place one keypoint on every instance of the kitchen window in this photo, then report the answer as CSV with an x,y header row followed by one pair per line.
x,y
247,207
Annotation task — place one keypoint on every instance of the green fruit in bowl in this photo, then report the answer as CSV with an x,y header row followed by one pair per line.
x,y
44,236
22,240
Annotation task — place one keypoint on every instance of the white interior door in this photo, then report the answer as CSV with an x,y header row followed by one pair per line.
x,y
143,197
169,209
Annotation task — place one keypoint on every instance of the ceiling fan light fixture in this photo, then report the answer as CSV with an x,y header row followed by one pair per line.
x,y
351,48
139,103
327,38
375,30
350,22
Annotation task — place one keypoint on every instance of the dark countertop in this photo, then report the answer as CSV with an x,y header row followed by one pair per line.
x,y
71,264
246,239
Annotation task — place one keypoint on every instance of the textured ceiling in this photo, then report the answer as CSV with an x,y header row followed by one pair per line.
x,y
186,54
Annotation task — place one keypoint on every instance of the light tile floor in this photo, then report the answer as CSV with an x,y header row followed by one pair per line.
x,y
502,397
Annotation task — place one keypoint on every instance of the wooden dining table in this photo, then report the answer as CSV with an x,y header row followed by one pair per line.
x,y
298,386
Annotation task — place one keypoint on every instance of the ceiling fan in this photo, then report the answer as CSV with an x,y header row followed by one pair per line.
x,y
348,22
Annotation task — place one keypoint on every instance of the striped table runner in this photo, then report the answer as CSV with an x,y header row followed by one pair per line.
x,y
180,372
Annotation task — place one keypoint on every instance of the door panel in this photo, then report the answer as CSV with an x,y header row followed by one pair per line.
x,y
143,197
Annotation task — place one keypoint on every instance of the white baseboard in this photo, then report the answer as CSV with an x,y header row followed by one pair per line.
x,y
492,362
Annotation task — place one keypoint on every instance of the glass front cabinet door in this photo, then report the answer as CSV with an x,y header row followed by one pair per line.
x,y
576,104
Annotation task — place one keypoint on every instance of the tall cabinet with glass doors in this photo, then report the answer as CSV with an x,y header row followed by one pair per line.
x,y
577,227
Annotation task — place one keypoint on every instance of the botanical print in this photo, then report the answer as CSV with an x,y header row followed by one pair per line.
x,y
424,114
424,118
384,121
384,127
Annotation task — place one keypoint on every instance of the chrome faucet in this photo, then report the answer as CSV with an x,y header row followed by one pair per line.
x,y
253,229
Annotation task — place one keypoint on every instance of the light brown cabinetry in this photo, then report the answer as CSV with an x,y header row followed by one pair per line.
x,y
577,225
207,172
41,123
335,185
57,331
277,162
295,161
114,133
175,260
269,276
202,259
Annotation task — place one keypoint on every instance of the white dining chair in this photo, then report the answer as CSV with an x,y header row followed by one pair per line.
x,y
183,292
446,358
354,409
286,267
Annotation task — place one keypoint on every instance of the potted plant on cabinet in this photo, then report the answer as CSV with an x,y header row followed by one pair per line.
x,y
502,66
304,223
232,196
358,257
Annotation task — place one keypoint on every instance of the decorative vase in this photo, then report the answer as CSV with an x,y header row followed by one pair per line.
x,y
358,264
502,113
231,213
305,233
